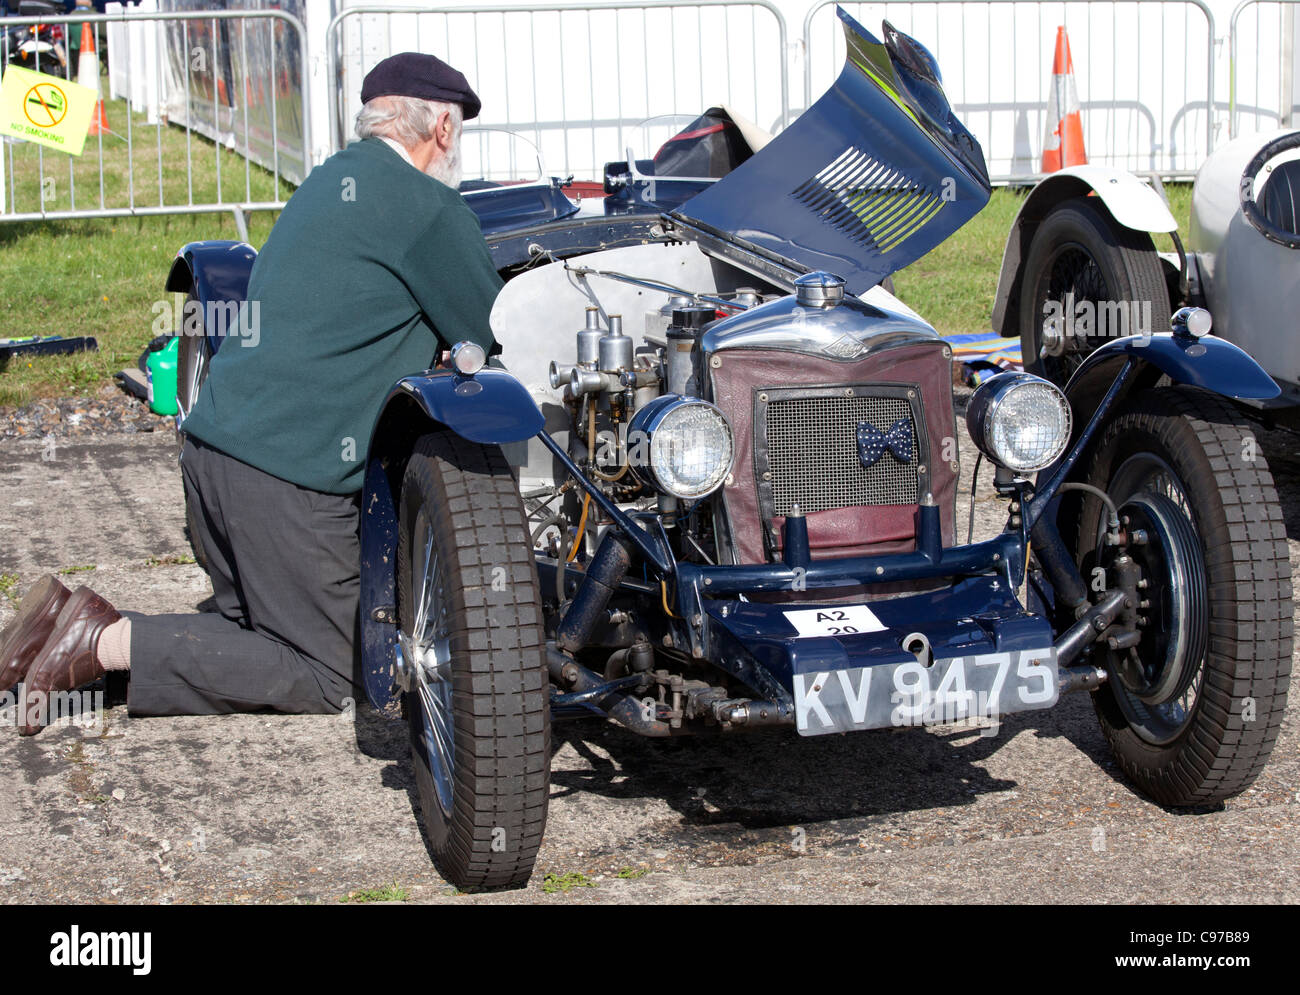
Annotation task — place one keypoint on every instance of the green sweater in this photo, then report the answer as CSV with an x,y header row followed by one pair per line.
x,y
371,268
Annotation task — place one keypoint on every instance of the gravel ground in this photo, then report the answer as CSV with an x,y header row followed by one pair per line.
x,y
108,411
260,808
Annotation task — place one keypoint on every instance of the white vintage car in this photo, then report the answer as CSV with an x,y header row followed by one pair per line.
x,y
1080,265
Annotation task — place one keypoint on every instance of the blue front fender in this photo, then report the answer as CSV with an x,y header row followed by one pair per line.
x,y
217,271
491,408
1210,362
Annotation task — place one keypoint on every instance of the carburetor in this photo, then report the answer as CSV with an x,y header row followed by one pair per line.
x,y
602,391
607,370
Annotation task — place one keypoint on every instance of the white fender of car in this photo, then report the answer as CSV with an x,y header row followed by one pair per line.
x,y
1130,200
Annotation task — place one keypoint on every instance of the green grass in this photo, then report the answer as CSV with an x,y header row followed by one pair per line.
x,y
393,892
174,560
9,587
101,277
555,883
953,287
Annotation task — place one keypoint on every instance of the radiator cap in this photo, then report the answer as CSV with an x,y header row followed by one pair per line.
x,y
819,289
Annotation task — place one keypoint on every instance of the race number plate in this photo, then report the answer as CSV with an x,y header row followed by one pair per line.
x,y
844,620
958,689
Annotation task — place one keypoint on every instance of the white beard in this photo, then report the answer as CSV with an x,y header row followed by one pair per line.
x,y
447,170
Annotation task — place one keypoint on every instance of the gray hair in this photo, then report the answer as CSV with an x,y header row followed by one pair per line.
x,y
407,120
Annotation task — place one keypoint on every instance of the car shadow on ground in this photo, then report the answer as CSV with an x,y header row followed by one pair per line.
x,y
386,736
773,778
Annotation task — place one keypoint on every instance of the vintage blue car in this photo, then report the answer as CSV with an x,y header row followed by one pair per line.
x,y
715,489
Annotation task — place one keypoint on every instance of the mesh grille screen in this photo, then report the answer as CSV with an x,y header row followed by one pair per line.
x,y
813,454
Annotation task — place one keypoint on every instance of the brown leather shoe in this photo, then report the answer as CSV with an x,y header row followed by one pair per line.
x,y
67,660
26,634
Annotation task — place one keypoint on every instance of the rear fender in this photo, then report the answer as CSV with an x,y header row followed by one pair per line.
x,y
217,271
1130,201
492,408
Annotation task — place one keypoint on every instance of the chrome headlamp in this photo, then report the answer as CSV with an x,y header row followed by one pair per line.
x,y
681,446
1019,421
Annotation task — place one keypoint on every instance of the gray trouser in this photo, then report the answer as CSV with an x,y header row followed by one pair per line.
x,y
285,568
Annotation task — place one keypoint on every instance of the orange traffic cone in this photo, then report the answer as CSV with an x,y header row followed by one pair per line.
x,y
88,75
1063,144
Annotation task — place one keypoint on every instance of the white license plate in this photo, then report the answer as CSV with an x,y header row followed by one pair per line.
x,y
958,689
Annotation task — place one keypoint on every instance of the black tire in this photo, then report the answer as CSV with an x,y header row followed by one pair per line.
x,y
192,359
483,801
1205,736
193,356
1080,250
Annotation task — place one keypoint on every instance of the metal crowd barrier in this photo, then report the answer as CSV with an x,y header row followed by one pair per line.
x,y
228,89
1269,96
579,79
1144,74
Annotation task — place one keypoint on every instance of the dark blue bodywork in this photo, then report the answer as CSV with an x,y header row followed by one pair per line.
x,y
864,206
977,615
215,271
512,207
1210,362
985,606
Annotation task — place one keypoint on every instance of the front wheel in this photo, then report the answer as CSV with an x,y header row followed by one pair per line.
x,y
1192,712
471,640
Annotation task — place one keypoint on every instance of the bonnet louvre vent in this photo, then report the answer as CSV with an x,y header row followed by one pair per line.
x,y
868,201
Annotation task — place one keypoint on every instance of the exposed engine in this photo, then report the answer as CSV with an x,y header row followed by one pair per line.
x,y
618,395
738,409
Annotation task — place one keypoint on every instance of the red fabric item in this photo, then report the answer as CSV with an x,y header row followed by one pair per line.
x,y
838,532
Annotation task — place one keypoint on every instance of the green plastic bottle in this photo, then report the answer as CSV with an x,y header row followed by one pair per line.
x,y
160,370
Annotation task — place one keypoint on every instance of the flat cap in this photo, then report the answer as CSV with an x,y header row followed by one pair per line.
x,y
414,74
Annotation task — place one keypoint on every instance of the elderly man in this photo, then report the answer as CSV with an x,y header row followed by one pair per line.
x,y
375,265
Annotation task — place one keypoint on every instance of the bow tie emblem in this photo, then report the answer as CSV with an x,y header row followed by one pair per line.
x,y
873,443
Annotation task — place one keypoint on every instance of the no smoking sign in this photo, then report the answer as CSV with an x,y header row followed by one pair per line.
x,y
45,109
45,105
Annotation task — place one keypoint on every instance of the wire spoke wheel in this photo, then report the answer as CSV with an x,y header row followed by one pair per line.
x,y
191,361
191,372
427,651
1157,682
1072,277
1087,279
